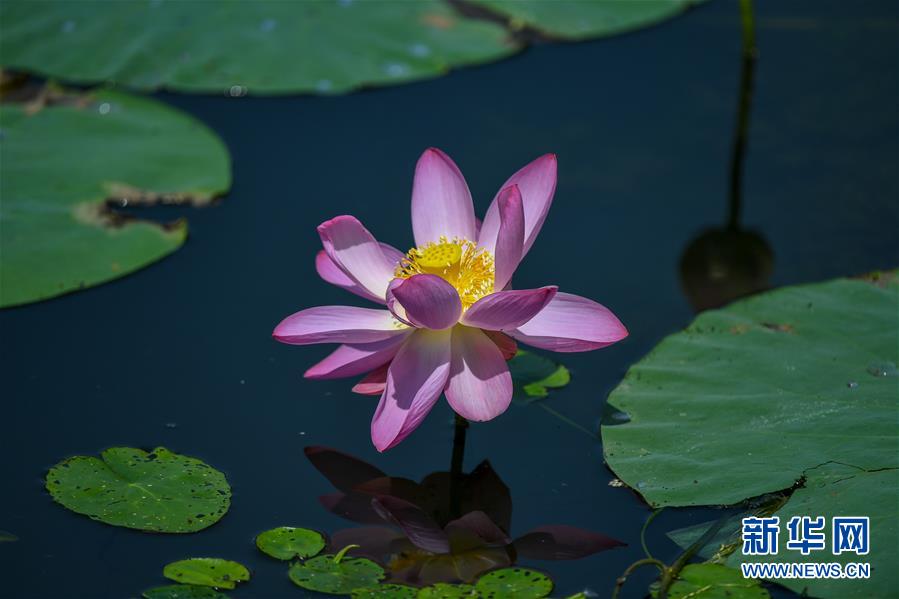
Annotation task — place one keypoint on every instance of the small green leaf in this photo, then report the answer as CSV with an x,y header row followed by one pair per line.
x,y
443,590
714,581
386,591
287,542
207,571
7,537
183,591
534,375
325,575
518,583
159,491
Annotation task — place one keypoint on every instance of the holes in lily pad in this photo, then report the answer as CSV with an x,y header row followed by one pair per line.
x,y
521,583
443,590
336,574
182,591
386,591
287,542
158,491
207,571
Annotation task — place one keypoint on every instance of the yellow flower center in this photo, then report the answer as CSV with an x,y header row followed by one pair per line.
x,y
458,261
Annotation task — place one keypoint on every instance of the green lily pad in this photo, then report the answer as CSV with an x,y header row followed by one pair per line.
x,y
584,19
287,542
386,591
520,583
791,387
207,571
533,376
326,574
245,47
839,490
183,591
443,590
749,398
157,491
714,581
59,232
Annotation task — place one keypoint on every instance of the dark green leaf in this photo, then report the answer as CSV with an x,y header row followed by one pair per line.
x,y
59,234
159,491
714,581
236,47
183,591
327,575
517,583
790,388
386,591
207,571
443,590
287,542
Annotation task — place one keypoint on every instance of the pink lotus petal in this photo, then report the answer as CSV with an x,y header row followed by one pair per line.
x,y
507,310
506,344
352,248
373,383
392,254
415,379
352,360
394,305
427,301
337,324
479,386
570,323
510,237
441,202
332,273
537,183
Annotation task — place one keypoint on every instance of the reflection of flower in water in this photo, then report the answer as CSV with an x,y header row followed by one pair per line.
x,y
441,529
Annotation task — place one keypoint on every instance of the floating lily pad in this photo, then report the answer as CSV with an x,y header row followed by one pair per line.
x,y
157,491
443,590
330,574
749,398
583,19
251,47
714,581
386,591
839,490
533,375
60,166
772,392
520,583
207,571
183,591
287,542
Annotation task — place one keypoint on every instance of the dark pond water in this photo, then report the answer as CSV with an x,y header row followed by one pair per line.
x,y
180,354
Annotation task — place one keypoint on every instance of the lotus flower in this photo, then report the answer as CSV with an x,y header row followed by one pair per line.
x,y
451,317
